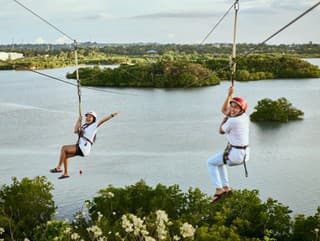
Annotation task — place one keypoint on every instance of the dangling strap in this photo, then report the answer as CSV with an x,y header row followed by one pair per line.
x,y
245,165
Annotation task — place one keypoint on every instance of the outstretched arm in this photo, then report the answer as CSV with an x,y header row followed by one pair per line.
x,y
226,105
77,125
106,118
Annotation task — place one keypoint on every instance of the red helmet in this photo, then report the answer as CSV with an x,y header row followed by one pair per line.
x,y
241,102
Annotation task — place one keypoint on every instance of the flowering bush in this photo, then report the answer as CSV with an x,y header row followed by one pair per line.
x,y
142,213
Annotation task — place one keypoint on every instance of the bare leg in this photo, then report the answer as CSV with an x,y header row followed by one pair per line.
x,y
67,151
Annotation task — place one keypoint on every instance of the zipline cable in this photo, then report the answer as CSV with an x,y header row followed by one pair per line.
x,y
74,44
280,30
87,87
270,37
44,20
217,24
78,79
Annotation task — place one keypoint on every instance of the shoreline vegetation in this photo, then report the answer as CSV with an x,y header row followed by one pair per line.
x,y
142,212
185,74
168,66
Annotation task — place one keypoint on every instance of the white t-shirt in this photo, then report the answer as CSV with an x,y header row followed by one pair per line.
x,y
89,132
237,131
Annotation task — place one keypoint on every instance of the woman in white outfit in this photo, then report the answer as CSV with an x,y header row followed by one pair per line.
x,y
87,133
236,127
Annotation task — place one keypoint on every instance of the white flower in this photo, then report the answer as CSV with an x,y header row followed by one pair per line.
x,y
126,224
187,230
114,213
110,195
102,239
162,216
75,236
67,230
131,223
1,231
316,230
176,237
99,216
148,238
87,204
95,230
26,239
161,222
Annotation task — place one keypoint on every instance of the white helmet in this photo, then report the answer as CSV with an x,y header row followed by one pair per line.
x,y
94,114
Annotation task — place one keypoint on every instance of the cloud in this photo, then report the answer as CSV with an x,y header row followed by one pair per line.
x,y
62,40
194,14
40,40
99,16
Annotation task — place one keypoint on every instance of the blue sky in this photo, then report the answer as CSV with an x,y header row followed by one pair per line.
x,y
161,21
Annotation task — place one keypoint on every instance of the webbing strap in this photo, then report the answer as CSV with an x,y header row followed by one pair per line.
x,y
77,77
233,63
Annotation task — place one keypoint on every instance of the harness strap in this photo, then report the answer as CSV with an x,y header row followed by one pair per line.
x,y
240,147
87,139
226,156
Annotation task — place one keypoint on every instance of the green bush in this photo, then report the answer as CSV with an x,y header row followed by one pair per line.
x,y
161,75
24,205
280,110
142,212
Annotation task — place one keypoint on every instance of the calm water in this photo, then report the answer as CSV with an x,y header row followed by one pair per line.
x,y
162,136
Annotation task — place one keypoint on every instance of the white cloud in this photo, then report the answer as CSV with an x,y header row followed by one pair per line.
x,y
178,14
62,40
100,16
40,40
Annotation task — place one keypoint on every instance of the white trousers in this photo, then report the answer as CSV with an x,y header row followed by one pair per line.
x,y
218,170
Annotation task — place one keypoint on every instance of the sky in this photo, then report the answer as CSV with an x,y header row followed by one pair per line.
x,y
157,21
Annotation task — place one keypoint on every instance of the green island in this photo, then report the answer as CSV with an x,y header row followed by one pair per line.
x,y
185,74
169,65
146,213
280,110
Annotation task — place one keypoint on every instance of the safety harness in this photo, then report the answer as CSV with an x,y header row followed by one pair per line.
x,y
81,133
226,156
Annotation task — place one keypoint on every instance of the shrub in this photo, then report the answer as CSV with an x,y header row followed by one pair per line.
x,y
279,110
24,205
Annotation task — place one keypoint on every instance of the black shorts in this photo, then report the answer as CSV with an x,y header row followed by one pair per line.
x,y
78,151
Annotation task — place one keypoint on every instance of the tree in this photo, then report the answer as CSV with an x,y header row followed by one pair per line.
x,y
279,110
24,205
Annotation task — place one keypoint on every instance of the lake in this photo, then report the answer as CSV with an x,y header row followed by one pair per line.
x,y
162,136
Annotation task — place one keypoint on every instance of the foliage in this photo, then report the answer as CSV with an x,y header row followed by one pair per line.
x,y
275,110
141,212
306,228
139,49
160,75
256,67
53,230
24,205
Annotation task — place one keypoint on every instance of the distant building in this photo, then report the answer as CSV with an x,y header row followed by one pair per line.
x,y
10,55
152,51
